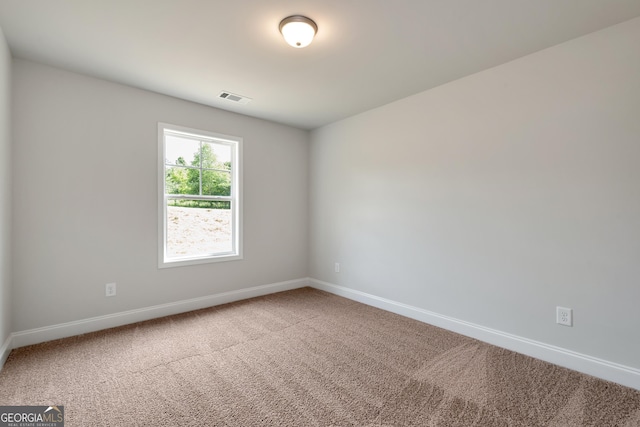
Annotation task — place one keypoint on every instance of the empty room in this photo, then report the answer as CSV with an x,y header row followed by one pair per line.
x,y
320,213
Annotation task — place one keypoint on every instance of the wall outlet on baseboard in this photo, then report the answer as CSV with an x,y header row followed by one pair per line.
x,y
564,316
336,267
110,290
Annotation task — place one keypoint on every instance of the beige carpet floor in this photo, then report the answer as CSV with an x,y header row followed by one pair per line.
x,y
303,358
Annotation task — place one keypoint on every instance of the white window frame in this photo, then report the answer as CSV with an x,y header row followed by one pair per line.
x,y
235,198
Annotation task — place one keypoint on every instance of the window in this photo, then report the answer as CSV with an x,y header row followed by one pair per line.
x,y
199,196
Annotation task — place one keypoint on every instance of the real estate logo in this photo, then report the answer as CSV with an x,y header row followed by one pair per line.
x,y
31,416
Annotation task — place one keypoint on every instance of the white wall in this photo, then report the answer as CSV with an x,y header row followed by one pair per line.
x,y
85,182
5,194
497,197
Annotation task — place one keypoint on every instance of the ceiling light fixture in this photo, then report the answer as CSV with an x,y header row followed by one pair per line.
x,y
298,30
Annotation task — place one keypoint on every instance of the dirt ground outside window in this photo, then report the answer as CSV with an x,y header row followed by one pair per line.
x,y
198,231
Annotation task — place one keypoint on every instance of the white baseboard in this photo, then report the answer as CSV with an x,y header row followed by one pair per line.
x,y
93,324
5,350
589,365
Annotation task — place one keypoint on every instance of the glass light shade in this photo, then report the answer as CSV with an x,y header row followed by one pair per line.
x,y
298,31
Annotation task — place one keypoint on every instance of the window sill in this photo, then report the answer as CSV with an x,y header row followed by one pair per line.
x,y
182,262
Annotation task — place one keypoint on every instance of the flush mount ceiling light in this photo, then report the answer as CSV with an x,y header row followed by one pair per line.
x,y
298,30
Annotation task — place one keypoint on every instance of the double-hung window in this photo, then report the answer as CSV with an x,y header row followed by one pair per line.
x,y
199,196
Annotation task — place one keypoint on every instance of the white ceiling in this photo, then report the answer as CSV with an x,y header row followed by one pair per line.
x,y
367,52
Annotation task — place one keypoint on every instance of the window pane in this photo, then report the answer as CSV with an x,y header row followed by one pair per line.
x,y
200,179
182,151
197,228
179,180
216,183
220,156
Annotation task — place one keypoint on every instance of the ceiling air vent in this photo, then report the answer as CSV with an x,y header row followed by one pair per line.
x,y
233,97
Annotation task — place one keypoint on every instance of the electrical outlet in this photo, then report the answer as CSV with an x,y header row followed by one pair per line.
x,y
110,289
336,267
564,316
